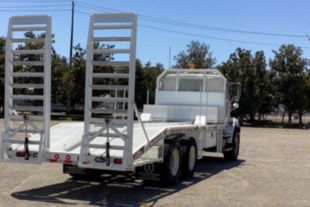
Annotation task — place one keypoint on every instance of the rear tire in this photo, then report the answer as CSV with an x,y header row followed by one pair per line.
x,y
189,159
232,154
171,166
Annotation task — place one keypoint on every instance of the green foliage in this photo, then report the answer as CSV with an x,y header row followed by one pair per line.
x,y
78,76
256,82
197,53
291,78
146,77
2,58
287,83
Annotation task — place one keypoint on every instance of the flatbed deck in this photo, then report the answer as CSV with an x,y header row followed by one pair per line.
x,y
66,138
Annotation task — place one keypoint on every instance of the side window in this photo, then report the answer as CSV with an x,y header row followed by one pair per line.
x,y
215,85
190,85
169,84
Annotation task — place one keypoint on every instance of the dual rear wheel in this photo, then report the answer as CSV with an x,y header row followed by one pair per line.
x,y
180,160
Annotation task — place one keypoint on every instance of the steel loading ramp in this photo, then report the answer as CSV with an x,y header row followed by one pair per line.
x,y
27,89
109,90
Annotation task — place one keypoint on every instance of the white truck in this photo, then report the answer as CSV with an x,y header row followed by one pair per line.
x,y
191,113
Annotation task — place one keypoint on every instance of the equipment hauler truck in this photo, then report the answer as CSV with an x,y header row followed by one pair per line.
x,y
191,113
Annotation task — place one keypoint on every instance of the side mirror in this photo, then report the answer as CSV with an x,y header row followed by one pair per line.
x,y
235,105
234,91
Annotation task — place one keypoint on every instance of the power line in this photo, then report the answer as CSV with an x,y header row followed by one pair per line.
x,y
71,34
172,22
31,10
196,26
82,12
32,1
33,6
87,7
193,34
212,37
154,19
95,7
213,28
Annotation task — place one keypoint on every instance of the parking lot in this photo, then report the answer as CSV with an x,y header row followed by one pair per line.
x,y
273,170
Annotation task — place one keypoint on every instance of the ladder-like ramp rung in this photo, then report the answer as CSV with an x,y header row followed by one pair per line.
x,y
38,28
28,108
111,51
19,141
111,135
32,131
27,40
27,97
105,99
28,74
27,85
31,63
28,52
102,121
103,146
27,114
30,20
113,17
108,111
111,39
118,118
30,118
110,63
128,26
110,87
110,75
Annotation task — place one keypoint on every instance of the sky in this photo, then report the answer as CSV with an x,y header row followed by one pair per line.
x,y
223,24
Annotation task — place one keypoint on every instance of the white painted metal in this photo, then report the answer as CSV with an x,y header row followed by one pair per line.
x,y
192,98
180,108
16,103
192,157
140,121
214,114
66,138
29,28
111,107
174,164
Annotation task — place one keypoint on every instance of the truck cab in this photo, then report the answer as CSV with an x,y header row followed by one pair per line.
x,y
184,95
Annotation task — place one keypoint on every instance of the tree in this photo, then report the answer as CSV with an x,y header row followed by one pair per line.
x,y
146,76
257,91
78,75
2,62
264,88
240,68
290,67
59,66
197,53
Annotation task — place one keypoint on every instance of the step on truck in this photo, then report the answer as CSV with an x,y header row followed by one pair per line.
x,y
191,113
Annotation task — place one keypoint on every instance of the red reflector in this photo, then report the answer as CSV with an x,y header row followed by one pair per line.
x,y
56,156
68,157
52,160
118,161
68,162
20,154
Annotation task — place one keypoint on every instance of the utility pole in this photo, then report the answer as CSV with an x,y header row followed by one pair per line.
x,y
72,30
147,97
169,57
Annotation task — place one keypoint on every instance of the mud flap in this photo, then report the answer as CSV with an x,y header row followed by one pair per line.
x,y
151,171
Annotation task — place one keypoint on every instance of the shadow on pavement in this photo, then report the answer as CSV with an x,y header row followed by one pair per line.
x,y
115,191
